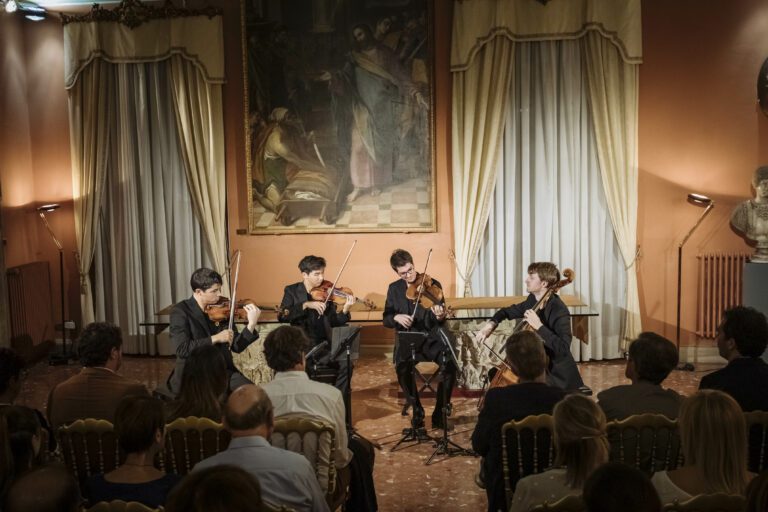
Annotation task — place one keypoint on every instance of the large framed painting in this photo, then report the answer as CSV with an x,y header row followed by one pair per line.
x,y
339,124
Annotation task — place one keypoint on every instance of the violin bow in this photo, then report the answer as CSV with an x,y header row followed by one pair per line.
x,y
338,276
421,288
233,300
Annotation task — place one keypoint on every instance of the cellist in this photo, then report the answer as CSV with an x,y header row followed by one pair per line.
x,y
552,323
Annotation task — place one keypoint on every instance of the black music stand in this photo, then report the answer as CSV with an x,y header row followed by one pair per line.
x,y
348,349
408,345
445,446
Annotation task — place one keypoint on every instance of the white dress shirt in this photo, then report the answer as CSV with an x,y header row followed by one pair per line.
x,y
292,392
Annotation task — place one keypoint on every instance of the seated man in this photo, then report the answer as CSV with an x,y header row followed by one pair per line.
x,y
98,388
291,391
741,339
286,478
532,395
651,359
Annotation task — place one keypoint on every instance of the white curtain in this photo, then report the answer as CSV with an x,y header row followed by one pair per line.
x,y
149,241
549,203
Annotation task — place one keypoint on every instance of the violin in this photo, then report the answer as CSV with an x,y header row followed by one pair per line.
x,y
326,292
429,295
220,311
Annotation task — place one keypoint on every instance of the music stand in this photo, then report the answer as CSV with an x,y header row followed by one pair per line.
x,y
346,347
445,446
408,345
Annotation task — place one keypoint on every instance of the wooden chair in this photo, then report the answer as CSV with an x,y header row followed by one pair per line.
x,y
649,442
757,432
566,504
718,502
89,447
314,438
121,506
527,448
190,440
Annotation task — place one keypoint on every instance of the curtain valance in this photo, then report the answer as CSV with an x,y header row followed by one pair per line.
x,y
199,39
529,20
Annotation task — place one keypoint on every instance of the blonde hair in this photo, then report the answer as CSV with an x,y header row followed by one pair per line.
x,y
580,438
713,434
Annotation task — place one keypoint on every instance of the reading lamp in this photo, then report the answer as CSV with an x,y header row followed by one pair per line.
x,y
698,200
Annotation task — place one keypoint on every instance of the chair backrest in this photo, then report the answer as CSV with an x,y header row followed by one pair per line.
x,y
718,502
649,442
566,504
121,506
312,437
89,447
527,448
757,432
190,440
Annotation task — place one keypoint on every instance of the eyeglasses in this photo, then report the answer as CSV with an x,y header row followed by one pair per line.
x,y
407,272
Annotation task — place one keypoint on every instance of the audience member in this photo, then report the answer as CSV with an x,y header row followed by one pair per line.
x,y
98,388
20,441
203,385
11,366
532,395
616,487
140,429
757,493
291,391
286,478
581,446
224,488
741,339
714,443
45,489
651,359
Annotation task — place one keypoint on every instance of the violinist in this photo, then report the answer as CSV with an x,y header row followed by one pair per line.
x,y
399,314
191,327
552,323
316,317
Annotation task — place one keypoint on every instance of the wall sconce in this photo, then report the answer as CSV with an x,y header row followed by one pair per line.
x,y
698,200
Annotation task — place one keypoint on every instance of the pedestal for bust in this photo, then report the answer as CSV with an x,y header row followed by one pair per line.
x,y
755,289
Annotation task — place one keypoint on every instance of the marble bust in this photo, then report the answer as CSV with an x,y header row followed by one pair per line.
x,y
751,217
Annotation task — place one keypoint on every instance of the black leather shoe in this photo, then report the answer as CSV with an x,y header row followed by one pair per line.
x,y
417,421
407,406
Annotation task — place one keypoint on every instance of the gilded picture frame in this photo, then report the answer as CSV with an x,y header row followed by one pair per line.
x,y
339,115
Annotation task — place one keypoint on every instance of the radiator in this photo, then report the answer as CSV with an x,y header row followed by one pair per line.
x,y
720,282
29,302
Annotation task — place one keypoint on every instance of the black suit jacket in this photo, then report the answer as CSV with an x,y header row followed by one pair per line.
x,y
745,379
317,327
502,405
191,328
557,336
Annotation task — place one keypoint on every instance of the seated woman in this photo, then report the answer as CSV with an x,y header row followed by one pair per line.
x,y
20,439
140,428
203,385
713,435
581,445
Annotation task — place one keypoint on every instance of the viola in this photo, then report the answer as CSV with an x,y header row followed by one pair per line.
x,y
326,292
220,311
429,295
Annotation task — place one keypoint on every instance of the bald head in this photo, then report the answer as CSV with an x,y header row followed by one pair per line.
x,y
248,411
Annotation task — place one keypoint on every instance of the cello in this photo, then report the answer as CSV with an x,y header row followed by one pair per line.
x,y
503,374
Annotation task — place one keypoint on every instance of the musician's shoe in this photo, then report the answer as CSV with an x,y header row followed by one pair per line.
x,y
417,421
407,406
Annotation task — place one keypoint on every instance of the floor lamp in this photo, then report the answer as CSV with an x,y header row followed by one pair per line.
x,y
698,200
64,356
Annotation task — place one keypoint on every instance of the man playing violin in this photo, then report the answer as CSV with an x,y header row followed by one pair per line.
x,y
316,317
552,323
399,314
190,327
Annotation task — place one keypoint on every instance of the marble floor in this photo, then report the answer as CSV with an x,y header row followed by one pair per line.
x,y
403,482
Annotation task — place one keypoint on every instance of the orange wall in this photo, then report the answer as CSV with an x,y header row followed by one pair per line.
x,y
34,152
270,261
700,131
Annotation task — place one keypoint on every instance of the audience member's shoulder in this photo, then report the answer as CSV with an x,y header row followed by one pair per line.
x,y
614,392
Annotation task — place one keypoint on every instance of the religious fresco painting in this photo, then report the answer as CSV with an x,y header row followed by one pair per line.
x,y
339,102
